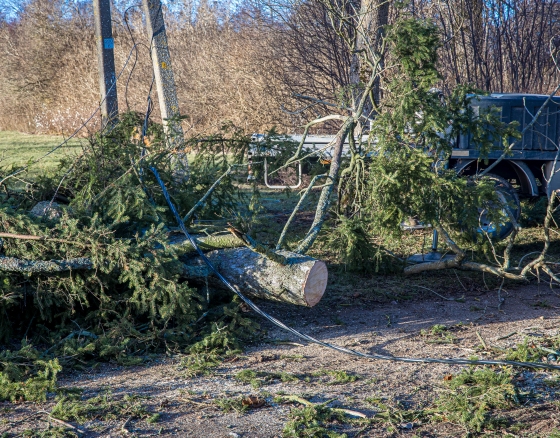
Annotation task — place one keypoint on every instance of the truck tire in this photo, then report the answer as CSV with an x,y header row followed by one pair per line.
x,y
509,199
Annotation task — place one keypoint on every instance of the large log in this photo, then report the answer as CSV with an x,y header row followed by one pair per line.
x,y
302,281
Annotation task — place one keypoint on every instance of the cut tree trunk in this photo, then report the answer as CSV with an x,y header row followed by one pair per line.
x,y
302,281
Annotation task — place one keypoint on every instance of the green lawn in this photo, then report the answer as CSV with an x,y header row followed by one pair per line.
x,y
18,149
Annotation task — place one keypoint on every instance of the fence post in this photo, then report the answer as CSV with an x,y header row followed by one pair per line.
x,y
106,61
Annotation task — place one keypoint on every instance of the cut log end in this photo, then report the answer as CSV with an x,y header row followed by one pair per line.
x,y
301,281
315,283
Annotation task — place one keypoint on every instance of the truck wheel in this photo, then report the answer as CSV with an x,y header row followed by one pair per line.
x,y
509,199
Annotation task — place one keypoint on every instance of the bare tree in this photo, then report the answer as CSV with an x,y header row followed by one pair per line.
x,y
498,46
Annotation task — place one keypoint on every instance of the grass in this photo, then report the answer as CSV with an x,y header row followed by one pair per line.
x,y
17,149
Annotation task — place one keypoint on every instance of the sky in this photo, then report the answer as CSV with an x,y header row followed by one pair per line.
x,y
9,8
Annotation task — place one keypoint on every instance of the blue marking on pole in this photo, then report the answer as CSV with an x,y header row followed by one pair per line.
x,y
108,44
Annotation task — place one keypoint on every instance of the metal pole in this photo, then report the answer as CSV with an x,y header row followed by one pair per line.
x,y
106,61
165,82
435,240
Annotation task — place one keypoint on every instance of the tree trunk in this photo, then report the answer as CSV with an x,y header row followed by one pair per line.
x,y
375,17
302,281
11,264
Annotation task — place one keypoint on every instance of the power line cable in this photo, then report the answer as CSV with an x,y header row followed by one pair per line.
x,y
125,19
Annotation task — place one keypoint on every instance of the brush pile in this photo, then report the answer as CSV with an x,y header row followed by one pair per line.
x,y
87,271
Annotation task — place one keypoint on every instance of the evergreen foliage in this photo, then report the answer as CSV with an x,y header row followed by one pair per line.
x,y
133,301
401,171
472,396
25,375
415,134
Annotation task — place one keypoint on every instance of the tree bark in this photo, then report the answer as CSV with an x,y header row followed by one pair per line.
x,y
302,281
11,264
375,17
206,243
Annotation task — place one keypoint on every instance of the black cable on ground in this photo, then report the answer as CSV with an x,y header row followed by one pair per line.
x,y
451,361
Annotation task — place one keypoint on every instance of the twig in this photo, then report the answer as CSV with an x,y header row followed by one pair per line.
x,y
433,291
482,315
296,209
295,344
257,247
324,199
500,299
509,335
189,400
459,280
57,420
68,425
305,402
70,336
294,158
319,101
39,238
202,200
481,340
123,427
526,255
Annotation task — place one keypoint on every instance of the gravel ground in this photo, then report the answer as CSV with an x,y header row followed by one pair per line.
x,y
187,406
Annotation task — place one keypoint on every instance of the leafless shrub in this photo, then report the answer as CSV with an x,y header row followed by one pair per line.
x,y
243,64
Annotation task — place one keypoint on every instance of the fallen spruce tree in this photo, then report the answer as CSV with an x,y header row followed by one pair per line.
x,y
91,268
104,278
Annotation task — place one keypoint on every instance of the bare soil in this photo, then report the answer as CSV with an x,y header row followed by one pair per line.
x,y
353,319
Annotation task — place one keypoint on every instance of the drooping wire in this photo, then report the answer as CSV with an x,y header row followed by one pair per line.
x,y
125,18
135,44
150,104
451,361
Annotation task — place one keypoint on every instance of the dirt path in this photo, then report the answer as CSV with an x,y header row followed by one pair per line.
x,y
188,407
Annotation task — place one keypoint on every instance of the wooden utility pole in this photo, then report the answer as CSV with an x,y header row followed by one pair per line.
x,y
165,82
106,61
